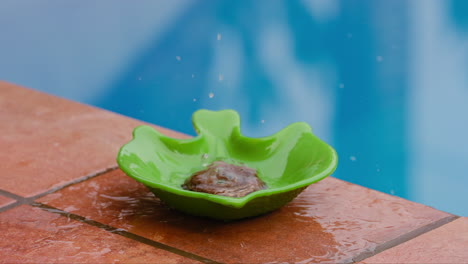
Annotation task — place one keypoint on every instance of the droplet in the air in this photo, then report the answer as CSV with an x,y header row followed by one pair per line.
x,y
379,58
205,156
341,85
194,99
220,77
352,158
211,95
218,37
178,58
262,121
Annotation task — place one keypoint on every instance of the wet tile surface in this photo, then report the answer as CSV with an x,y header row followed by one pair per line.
x,y
446,244
47,141
331,221
4,201
31,235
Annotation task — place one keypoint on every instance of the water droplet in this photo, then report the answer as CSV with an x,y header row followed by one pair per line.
x,y
262,121
139,78
341,85
193,75
178,58
392,192
205,156
218,37
211,95
194,99
378,170
352,158
379,58
221,77
349,35
70,208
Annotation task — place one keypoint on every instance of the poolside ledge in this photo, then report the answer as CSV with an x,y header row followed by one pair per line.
x,y
63,199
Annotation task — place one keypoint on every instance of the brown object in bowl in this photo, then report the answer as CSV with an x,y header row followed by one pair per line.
x,y
225,179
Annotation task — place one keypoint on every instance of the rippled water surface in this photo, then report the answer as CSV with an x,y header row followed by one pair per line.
x,y
382,81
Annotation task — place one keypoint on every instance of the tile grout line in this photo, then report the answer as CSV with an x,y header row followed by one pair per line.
x,y
20,200
121,232
31,201
11,195
10,206
403,238
76,181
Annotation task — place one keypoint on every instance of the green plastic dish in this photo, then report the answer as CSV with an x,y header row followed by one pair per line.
x,y
287,162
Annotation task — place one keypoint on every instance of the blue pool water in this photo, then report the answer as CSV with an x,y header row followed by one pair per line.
x,y
384,82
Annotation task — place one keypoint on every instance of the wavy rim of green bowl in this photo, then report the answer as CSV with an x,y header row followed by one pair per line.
x,y
224,200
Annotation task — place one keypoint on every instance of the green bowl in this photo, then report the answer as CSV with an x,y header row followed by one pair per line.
x,y
287,162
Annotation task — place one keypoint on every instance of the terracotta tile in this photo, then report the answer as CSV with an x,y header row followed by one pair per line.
x,y
331,221
4,201
33,235
47,141
446,244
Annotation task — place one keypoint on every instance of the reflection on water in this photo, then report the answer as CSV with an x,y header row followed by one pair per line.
x,y
382,81
437,122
